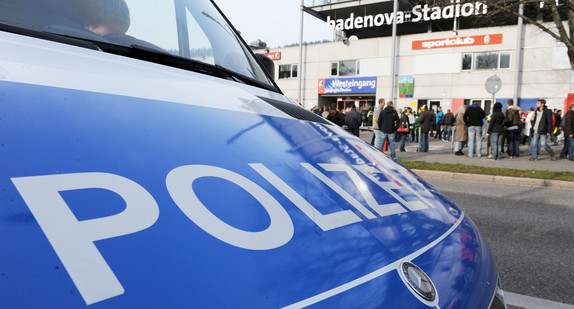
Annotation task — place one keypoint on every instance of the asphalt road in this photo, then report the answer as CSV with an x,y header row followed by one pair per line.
x,y
530,231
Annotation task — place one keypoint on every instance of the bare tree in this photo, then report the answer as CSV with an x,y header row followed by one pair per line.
x,y
555,17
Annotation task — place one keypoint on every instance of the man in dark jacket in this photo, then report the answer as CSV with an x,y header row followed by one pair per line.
x,y
541,128
447,123
425,121
388,122
496,130
336,117
513,128
353,120
568,129
473,117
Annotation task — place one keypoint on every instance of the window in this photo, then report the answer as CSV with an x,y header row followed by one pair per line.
x,y
486,61
287,71
334,68
467,62
186,29
504,60
345,68
484,104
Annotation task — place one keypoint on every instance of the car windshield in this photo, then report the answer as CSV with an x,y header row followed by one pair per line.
x,y
189,29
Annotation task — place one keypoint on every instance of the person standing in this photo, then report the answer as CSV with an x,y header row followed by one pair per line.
x,y
388,124
405,127
353,120
473,117
512,129
522,138
557,127
370,116
336,117
447,123
568,129
400,114
496,130
411,125
364,113
315,110
528,127
433,123
425,121
541,128
439,117
325,112
460,131
378,133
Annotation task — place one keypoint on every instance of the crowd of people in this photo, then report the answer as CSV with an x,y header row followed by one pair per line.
x,y
514,127
505,128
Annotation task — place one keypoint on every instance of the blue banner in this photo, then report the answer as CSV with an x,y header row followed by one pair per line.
x,y
348,85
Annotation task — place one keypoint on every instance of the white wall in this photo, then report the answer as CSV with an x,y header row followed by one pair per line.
x,y
437,73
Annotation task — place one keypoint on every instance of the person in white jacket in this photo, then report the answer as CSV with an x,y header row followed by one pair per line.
x,y
528,127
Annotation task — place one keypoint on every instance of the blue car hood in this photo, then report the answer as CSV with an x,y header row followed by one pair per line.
x,y
112,201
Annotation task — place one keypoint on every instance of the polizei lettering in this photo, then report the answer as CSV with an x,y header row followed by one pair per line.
x,y
73,239
417,14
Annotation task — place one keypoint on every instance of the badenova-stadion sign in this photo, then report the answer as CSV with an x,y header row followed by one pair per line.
x,y
417,14
348,85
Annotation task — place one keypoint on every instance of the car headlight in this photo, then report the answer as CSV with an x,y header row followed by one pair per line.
x,y
498,301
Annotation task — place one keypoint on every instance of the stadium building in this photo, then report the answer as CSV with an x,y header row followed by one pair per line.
x,y
445,56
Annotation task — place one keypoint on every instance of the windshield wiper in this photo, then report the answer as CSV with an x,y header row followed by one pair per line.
x,y
163,57
52,36
234,75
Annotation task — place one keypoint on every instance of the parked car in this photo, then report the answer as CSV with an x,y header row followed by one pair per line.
x,y
148,161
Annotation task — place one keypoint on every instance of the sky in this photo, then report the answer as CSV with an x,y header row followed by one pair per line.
x,y
275,22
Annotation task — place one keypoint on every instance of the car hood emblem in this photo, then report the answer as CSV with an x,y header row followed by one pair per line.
x,y
418,281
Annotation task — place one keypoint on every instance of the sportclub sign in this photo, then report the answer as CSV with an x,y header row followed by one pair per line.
x,y
487,39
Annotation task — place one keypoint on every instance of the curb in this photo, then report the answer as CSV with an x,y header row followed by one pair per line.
x,y
497,179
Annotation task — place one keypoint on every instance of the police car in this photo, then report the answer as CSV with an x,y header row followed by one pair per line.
x,y
148,161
